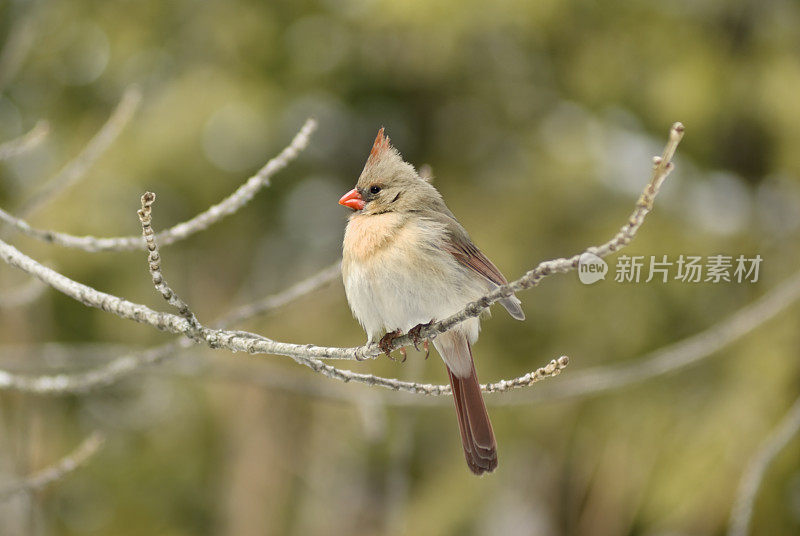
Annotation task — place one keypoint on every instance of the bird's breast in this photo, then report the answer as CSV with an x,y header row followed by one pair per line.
x,y
397,275
369,235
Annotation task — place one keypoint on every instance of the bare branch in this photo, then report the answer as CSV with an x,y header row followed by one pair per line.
x,y
108,374
742,512
550,370
154,264
226,207
78,166
26,142
22,294
553,368
88,448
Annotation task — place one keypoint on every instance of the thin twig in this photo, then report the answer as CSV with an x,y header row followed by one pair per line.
x,y
212,215
78,166
550,370
88,448
154,265
26,142
742,512
96,378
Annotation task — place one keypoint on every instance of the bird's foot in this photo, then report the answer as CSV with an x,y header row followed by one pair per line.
x,y
385,343
414,334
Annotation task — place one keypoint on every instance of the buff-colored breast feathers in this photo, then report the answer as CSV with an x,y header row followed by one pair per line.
x,y
370,235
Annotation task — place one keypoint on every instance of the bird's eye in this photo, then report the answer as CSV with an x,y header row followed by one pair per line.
x,y
374,189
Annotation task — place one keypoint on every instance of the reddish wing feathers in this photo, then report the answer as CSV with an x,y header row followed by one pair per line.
x,y
467,254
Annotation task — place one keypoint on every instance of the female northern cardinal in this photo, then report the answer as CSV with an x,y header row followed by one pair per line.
x,y
406,262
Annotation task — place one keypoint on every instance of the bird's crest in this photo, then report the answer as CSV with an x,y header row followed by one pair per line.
x,y
381,148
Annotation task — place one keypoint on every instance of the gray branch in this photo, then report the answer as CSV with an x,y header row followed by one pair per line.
x,y
26,142
154,265
226,207
88,448
102,376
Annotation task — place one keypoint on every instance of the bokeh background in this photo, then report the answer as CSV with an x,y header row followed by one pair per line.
x,y
538,120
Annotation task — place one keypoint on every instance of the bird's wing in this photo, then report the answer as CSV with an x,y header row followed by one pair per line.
x,y
470,256
458,244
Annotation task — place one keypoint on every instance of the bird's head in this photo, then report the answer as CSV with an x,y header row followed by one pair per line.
x,y
388,183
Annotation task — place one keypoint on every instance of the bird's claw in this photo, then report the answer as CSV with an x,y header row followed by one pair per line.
x,y
385,343
414,333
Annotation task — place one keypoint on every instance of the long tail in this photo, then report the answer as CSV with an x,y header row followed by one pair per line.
x,y
477,436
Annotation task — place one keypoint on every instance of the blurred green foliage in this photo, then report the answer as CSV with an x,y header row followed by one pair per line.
x,y
538,120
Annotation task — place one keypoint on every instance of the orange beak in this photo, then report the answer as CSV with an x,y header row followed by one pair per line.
x,y
352,199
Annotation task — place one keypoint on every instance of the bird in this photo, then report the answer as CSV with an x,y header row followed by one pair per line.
x,y
408,262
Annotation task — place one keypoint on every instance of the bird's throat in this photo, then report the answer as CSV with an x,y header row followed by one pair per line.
x,y
369,234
